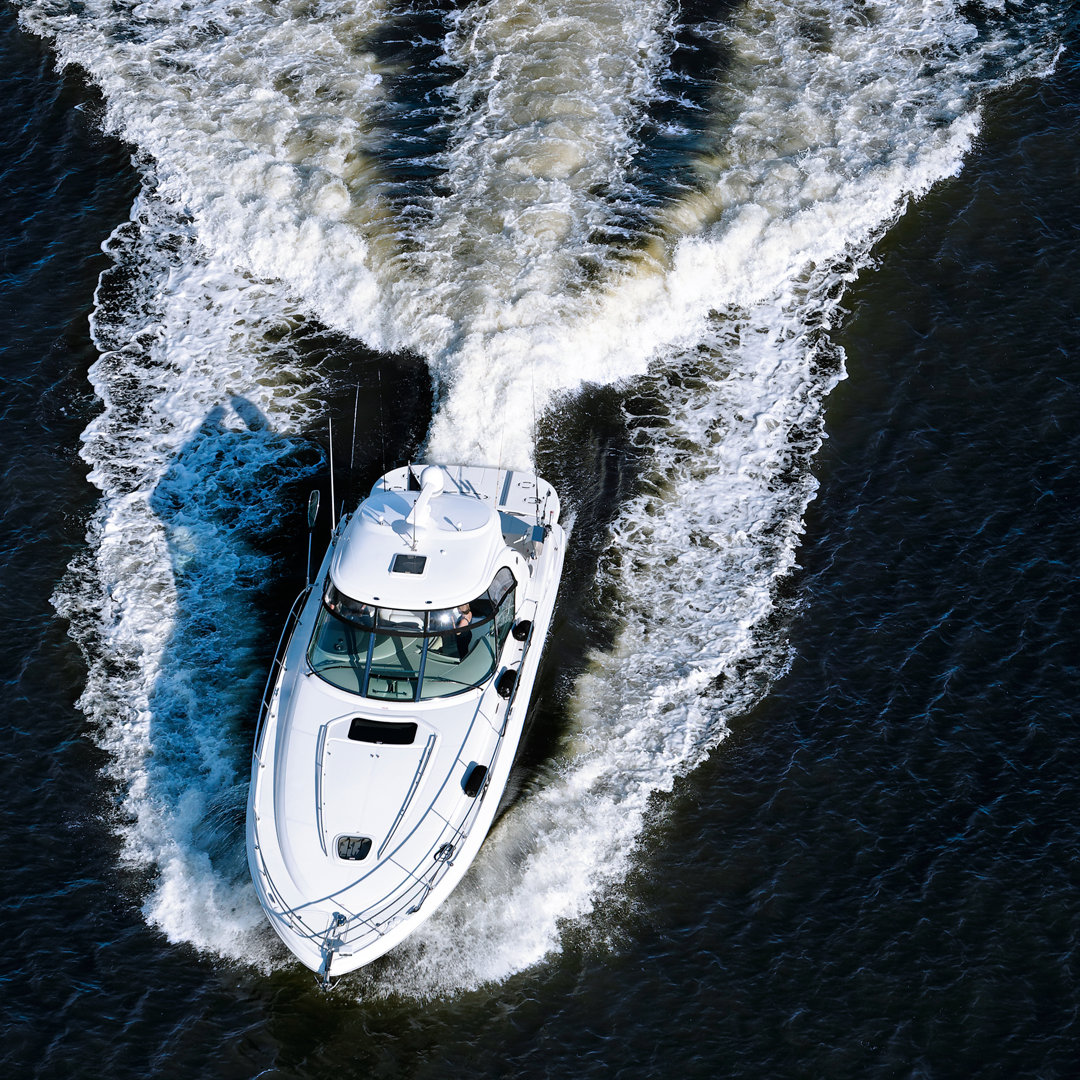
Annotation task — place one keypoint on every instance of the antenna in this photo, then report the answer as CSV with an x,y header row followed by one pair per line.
x,y
333,511
498,471
536,478
352,449
382,422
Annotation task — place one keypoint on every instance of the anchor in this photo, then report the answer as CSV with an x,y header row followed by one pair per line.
x,y
330,945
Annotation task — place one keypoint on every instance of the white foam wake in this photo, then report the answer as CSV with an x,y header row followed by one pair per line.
x,y
164,601
737,311
511,276
259,122
543,127
693,563
264,128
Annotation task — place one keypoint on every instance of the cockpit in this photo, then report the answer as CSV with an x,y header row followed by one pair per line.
x,y
399,654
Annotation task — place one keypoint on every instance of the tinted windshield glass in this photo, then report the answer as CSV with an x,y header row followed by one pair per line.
x,y
399,654
346,608
339,651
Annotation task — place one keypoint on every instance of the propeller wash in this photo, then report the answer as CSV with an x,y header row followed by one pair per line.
x,y
532,197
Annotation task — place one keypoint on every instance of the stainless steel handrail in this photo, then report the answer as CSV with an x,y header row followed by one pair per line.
x,y
278,662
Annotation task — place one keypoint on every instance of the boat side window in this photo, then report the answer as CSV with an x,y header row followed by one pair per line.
x,y
464,642
345,607
503,583
502,600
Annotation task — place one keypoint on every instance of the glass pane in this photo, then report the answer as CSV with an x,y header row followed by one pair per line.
x,y
503,583
459,660
395,667
338,651
504,618
401,620
346,608
442,620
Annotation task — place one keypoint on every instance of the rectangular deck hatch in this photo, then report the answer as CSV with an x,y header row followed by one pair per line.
x,y
408,564
388,732
353,848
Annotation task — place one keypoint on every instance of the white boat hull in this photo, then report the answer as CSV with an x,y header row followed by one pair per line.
x,y
315,779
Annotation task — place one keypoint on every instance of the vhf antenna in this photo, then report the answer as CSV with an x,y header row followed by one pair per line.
x,y
333,507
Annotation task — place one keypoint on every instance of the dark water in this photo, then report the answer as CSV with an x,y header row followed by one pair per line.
x,y
875,876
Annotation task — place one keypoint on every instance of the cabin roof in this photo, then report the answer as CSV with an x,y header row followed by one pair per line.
x,y
454,540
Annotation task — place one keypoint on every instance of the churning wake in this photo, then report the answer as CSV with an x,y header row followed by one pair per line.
x,y
532,196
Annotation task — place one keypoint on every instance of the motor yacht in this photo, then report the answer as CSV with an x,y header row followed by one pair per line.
x,y
395,706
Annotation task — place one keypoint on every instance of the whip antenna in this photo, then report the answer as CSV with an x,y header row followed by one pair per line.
x,y
352,449
333,509
536,478
382,423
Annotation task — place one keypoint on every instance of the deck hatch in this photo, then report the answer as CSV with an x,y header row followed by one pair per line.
x,y
408,564
353,848
388,732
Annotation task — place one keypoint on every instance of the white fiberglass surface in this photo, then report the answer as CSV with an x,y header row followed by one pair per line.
x,y
565,202
382,776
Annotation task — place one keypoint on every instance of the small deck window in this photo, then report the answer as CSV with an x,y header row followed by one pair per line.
x,y
353,848
387,732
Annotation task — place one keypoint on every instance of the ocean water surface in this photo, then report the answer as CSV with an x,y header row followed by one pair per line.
x,y
780,295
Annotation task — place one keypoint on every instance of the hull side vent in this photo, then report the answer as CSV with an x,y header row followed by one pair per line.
x,y
474,782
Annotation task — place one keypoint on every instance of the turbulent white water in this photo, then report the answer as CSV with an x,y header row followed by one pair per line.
x,y
533,246
190,465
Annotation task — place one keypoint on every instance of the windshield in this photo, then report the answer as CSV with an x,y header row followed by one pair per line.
x,y
398,654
